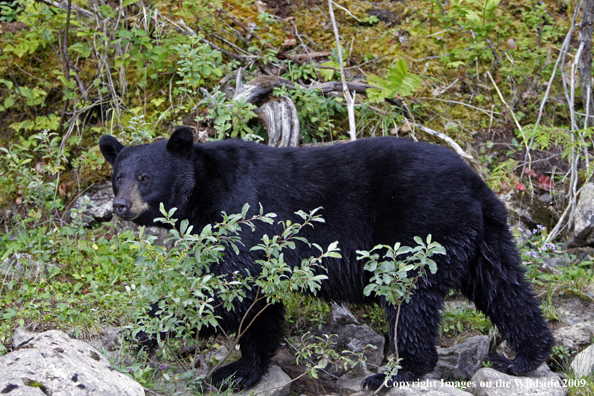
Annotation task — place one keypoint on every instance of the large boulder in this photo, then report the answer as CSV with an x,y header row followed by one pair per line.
x,y
541,382
51,363
347,335
96,203
427,387
461,361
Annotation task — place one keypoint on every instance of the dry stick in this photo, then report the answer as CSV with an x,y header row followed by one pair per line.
x,y
585,69
402,301
574,132
586,123
347,11
383,385
350,102
570,97
563,51
240,332
445,137
506,105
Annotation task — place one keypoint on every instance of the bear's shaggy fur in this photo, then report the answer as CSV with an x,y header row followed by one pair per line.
x,y
372,191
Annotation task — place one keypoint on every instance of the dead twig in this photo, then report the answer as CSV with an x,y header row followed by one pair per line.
x,y
444,137
350,99
562,54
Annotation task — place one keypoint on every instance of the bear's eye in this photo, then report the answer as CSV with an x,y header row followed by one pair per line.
x,y
143,178
119,179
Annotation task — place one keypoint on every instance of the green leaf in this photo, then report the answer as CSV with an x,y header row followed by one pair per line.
x,y
328,74
244,210
369,288
376,81
126,3
472,16
77,287
107,11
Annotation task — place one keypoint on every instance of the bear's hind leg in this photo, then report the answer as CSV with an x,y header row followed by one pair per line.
x,y
514,309
258,345
497,285
416,334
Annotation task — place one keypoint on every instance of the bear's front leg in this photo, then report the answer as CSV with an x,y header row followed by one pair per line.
x,y
258,345
417,331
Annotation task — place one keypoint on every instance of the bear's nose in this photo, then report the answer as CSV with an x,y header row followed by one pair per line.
x,y
121,207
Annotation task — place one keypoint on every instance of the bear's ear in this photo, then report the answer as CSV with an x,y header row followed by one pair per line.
x,y
181,142
110,148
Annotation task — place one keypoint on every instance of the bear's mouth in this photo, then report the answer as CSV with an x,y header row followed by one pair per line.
x,y
129,217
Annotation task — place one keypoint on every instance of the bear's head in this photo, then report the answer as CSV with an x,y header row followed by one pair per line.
x,y
146,176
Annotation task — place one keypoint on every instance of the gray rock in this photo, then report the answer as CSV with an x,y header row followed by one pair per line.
x,y
575,336
109,343
427,387
21,336
546,198
342,315
352,380
461,361
96,204
214,357
23,264
583,228
274,383
583,363
573,311
51,363
355,339
541,382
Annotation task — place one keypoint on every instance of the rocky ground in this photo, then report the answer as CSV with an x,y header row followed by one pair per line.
x,y
52,363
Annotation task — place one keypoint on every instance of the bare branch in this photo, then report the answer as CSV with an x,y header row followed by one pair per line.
x,y
444,137
350,101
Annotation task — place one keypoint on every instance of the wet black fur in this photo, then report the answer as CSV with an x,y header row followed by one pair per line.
x,y
373,191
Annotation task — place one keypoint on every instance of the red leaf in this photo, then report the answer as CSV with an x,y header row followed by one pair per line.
x,y
520,187
530,172
545,183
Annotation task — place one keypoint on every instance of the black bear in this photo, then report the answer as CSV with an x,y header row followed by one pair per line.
x,y
372,191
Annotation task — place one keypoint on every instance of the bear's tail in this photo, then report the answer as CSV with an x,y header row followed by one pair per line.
x,y
498,287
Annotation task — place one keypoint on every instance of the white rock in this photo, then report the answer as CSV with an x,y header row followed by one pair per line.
x,y
274,383
575,336
583,363
583,229
51,363
428,388
540,382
